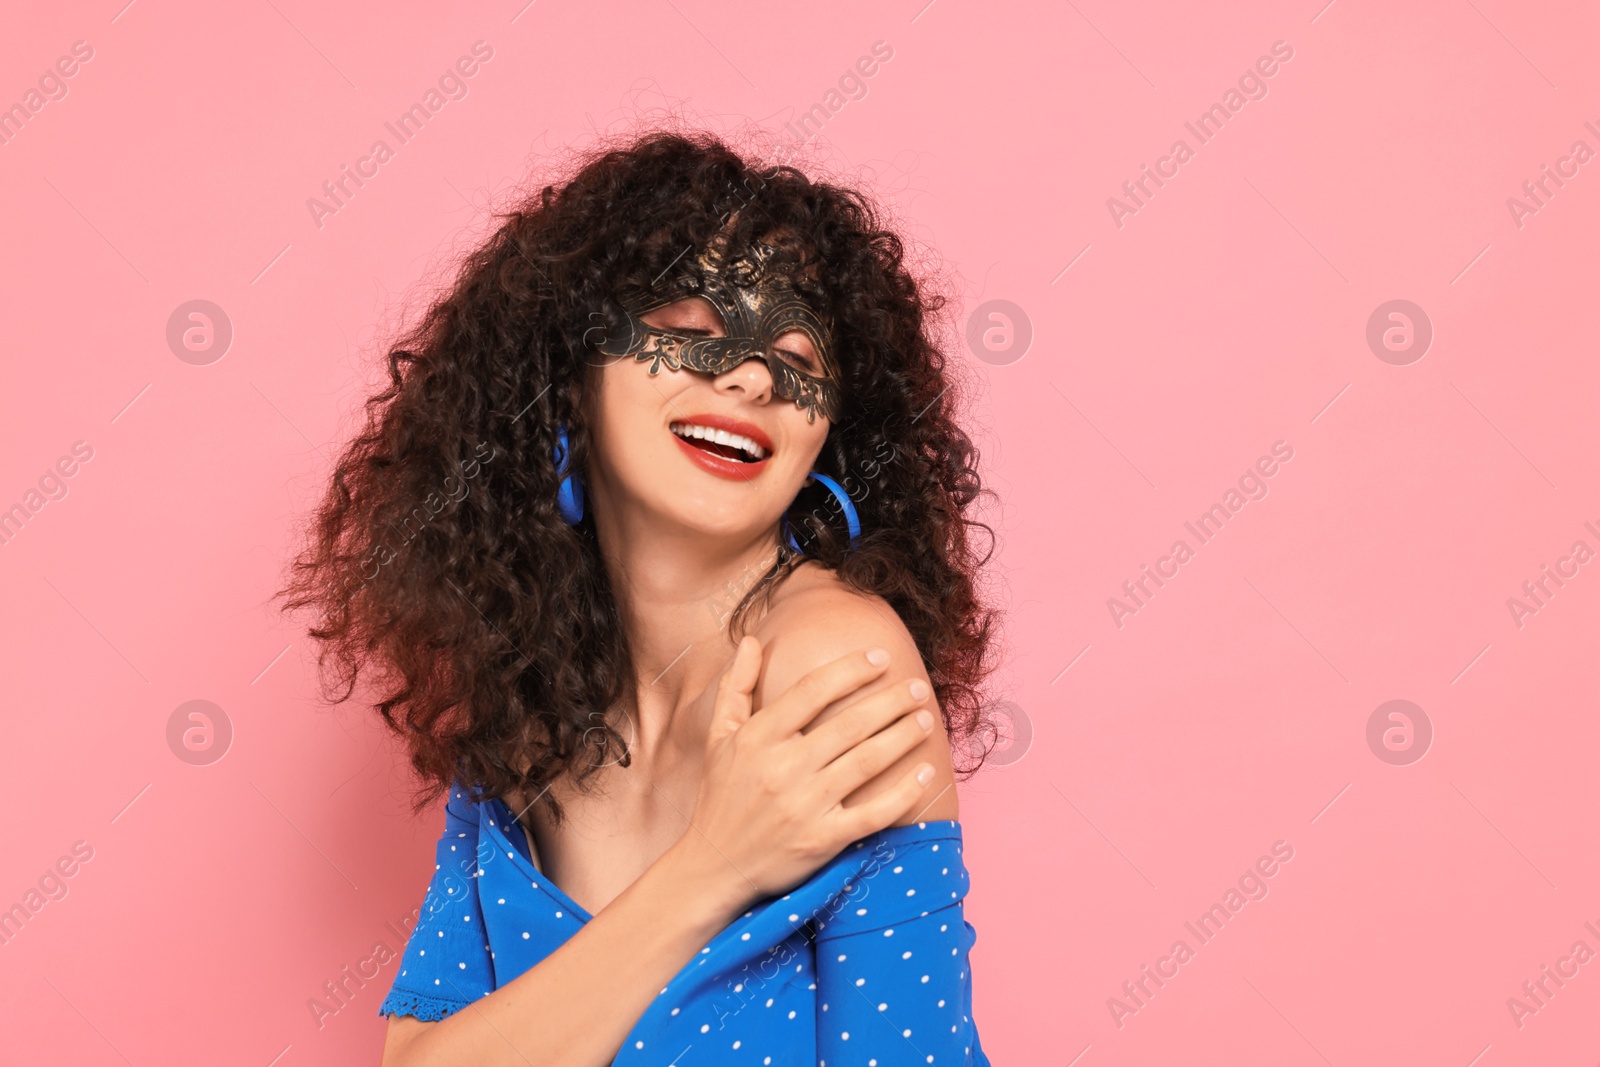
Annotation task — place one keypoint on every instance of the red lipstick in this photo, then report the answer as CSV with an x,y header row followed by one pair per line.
x,y
722,467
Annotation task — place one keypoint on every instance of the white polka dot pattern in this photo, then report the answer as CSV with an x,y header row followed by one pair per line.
x,y
865,963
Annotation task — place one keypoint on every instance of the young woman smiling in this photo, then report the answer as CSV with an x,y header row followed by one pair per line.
x,y
673,830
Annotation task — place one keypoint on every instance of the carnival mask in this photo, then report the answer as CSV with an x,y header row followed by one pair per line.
x,y
757,308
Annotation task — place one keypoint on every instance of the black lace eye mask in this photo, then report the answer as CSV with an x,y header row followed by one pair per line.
x,y
757,309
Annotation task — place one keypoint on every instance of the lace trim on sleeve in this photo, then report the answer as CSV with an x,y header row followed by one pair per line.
x,y
428,1009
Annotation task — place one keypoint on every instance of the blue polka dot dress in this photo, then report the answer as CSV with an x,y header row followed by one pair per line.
x,y
863,965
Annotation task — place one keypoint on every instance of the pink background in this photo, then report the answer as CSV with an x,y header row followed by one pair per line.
x,y
1168,753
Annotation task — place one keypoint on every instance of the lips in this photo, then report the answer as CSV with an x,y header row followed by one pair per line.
x,y
726,447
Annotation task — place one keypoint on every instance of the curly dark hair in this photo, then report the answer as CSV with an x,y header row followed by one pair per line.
x,y
438,554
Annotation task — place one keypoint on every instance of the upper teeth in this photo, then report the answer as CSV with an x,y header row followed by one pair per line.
x,y
721,437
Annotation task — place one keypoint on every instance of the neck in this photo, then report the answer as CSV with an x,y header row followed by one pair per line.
x,y
675,591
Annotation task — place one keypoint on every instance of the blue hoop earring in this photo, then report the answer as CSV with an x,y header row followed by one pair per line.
x,y
851,519
570,494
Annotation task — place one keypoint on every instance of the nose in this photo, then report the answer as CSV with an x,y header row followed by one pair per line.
x,y
751,378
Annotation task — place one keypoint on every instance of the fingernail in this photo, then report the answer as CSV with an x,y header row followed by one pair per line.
x,y
878,656
919,689
925,720
925,774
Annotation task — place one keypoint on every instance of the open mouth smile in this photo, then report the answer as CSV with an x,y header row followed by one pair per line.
x,y
722,446
720,442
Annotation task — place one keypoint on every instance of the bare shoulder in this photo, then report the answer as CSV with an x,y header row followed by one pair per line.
x,y
815,618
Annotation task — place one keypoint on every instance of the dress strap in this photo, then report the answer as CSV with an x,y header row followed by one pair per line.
x,y
527,835
533,849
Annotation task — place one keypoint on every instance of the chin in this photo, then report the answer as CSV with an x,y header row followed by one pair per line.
x,y
733,529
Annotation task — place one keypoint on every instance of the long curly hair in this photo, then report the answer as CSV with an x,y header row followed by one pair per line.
x,y
438,558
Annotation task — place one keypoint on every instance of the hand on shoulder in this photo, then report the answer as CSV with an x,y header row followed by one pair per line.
x,y
817,618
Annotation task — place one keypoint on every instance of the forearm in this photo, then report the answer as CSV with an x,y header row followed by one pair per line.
x,y
575,1007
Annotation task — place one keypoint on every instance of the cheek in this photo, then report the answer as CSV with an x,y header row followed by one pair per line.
x,y
628,391
622,408
806,439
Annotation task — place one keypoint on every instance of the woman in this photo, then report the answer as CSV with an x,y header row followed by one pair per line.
x,y
658,535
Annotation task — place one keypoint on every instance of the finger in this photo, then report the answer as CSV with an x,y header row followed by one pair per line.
x,y
887,807
731,709
871,757
862,718
821,686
